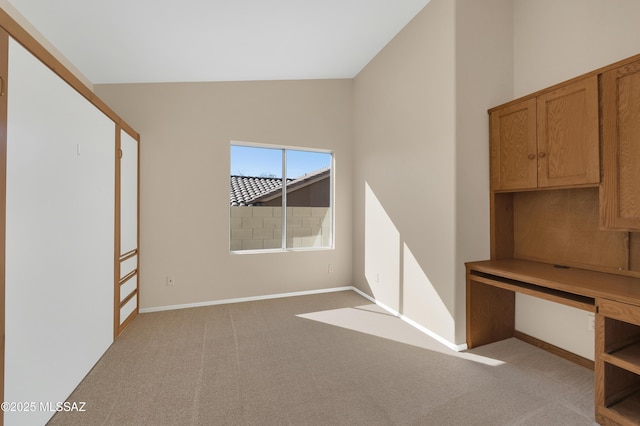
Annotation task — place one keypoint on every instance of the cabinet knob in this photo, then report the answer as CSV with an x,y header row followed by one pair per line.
x,y
531,156
541,155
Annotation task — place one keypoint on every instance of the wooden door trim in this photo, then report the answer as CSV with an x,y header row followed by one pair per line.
x,y
4,67
119,327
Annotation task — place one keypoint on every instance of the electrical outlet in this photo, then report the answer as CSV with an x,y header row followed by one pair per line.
x,y
171,281
591,322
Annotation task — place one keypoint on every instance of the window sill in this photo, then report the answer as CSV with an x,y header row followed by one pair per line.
x,y
290,250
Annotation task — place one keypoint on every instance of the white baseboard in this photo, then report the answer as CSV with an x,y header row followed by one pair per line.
x,y
373,300
244,299
452,346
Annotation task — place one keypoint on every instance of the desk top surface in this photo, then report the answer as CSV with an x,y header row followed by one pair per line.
x,y
572,280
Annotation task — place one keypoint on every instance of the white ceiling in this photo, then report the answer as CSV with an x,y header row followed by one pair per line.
x,y
133,41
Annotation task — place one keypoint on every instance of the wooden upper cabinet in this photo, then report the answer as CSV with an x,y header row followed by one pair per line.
x,y
514,146
568,135
620,189
551,140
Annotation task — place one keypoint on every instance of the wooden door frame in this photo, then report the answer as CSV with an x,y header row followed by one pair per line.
x,y
4,67
119,257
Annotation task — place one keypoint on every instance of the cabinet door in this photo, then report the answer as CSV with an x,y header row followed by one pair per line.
x,y
513,146
620,190
568,150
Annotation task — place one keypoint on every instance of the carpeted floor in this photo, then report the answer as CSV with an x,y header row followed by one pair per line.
x,y
327,359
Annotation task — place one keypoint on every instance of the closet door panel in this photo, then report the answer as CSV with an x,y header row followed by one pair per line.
x,y
59,239
128,308
127,288
128,193
128,266
127,246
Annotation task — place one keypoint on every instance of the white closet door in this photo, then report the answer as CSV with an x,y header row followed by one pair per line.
x,y
59,237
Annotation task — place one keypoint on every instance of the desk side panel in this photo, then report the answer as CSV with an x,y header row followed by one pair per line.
x,y
490,313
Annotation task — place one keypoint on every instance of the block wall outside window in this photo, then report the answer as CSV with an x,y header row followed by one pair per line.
x,y
260,228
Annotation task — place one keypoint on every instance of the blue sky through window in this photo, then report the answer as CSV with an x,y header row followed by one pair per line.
x,y
267,162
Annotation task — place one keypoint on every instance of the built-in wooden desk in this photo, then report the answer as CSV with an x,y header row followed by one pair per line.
x,y
564,166
491,288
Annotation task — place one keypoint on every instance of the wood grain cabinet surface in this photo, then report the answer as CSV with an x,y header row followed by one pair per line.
x,y
551,140
565,225
620,190
514,146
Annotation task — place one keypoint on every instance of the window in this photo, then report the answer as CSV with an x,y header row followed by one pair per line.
x,y
280,198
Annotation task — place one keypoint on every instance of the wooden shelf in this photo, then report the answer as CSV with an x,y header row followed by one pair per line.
x,y
626,411
627,358
617,363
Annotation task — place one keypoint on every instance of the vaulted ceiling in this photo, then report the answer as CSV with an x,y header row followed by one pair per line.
x,y
133,41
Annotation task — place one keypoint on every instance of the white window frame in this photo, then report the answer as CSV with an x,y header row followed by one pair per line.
x,y
283,247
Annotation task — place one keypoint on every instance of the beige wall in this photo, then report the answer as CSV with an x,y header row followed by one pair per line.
x,y
484,78
405,146
185,133
420,138
421,150
554,41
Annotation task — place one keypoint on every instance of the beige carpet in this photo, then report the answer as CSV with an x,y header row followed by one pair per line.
x,y
328,359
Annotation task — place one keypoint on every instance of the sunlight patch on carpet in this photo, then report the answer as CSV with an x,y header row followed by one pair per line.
x,y
375,321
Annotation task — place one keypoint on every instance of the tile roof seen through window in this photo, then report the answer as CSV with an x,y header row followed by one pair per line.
x,y
244,189
247,190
